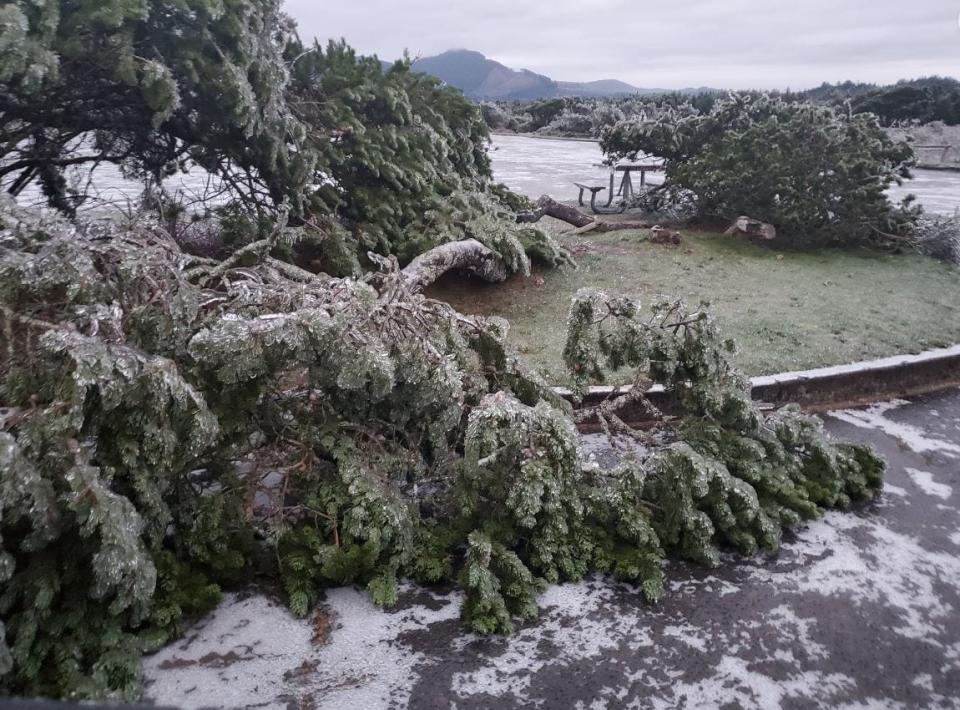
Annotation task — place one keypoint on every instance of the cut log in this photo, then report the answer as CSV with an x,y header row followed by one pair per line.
x,y
750,227
468,254
549,207
662,235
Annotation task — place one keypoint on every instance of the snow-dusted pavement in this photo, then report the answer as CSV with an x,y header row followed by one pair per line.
x,y
858,610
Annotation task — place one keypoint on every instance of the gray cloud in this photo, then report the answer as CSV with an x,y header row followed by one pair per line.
x,y
722,43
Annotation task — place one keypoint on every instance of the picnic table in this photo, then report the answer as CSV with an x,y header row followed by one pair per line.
x,y
626,190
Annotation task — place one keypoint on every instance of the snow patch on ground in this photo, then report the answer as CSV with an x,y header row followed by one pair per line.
x,y
913,437
708,584
867,562
800,629
254,652
925,482
736,683
572,625
223,661
587,622
682,634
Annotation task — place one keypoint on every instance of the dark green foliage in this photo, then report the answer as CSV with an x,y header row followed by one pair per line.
x,y
149,433
360,158
817,174
907,102
543,112
80,515
499,587
362,432
620,527
152,85
734,475
918,101
400,155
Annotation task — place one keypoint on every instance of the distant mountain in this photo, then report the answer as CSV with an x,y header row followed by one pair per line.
x,y
481,78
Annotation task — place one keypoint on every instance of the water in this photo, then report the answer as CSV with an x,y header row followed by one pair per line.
x,y
937,190
109,190
531,166
537,166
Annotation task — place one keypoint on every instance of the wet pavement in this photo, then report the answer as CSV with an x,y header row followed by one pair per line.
x,y
857,610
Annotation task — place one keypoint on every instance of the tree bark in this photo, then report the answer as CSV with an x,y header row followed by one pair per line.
x,y
468,254
549,207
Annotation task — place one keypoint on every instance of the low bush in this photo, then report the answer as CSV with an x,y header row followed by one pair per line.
x,y
817,174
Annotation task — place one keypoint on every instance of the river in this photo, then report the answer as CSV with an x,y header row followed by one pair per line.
x,y
531,166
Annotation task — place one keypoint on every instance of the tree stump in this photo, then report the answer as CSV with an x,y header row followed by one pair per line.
x,y
754,228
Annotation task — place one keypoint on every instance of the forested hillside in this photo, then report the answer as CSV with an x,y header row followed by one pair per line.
x,y
918,101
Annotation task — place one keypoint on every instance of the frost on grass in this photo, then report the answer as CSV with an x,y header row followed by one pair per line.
x,y
174,424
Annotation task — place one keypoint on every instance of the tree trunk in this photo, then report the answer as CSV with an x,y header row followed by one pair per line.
x,y
549,207
468,254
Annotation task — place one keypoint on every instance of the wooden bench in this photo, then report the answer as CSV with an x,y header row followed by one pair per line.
x,y
594,189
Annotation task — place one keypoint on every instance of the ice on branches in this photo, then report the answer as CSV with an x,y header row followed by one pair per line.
x,y
170,424
162,410
732,475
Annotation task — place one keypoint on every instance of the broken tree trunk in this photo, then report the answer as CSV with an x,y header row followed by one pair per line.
x,y
549,207
468,254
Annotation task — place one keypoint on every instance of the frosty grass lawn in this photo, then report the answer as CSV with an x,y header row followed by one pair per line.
x,y
786,310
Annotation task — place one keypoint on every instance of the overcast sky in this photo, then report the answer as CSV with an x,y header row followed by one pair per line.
x,y
663,44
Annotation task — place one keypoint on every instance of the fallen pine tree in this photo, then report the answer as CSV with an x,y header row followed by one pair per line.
x,y
172,424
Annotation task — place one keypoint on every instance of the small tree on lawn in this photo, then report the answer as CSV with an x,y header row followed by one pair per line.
x,y
817,174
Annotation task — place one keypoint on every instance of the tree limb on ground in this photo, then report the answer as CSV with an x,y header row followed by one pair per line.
x,y
549,207
468,254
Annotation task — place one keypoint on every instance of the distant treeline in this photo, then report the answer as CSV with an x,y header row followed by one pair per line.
x,y
914,101
923,100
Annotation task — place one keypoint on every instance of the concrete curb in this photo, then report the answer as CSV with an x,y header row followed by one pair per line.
x,y
836,387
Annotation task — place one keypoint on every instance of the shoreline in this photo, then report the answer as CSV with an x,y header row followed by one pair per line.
x,y
945,167
514,134
938,166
